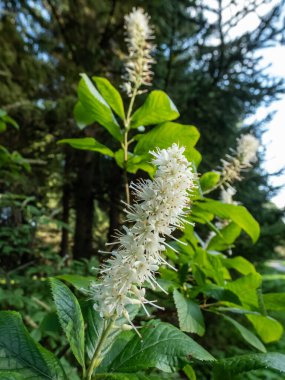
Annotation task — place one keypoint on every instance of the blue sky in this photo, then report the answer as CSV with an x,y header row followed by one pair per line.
x,y
273,140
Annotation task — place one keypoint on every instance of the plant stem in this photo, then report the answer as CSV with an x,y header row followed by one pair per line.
x,y
126,142
96,357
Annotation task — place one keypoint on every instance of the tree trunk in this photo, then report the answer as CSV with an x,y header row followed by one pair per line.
x,y
84,205
66,195
116,195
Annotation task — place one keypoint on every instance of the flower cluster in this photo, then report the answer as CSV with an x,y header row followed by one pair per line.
x,y
247,149
233,165
159,209
138,64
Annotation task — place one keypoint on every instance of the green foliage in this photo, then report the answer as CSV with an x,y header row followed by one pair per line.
x,y
88,143
79,282
209,180
21,355
165,134
162,346
147,114
111,95
97,107
230,368
237,214
70,318
274,301
189,314
247,335
268,328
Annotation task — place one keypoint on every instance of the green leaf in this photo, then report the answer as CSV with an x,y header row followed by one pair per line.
x,y
82,116
246,289
88,143
21,355
209,180
162,346
126,376
111,95
79,282
135,162
219,293
230,367
7,375
189,372
247,335
3,126
226,237
11,121
240,264
266,327
189,314
70,317
157,109
164,135
237,214
2,113
274,301
95,327
97,107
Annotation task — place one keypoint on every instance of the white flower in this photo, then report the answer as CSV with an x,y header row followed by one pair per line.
x,y
247,149
159,209
244,155
228,194
139,61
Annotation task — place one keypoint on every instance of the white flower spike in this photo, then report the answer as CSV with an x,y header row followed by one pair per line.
x,y
138,65
160,208
244,155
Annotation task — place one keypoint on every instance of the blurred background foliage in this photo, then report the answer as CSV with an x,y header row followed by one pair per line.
x,y
58,206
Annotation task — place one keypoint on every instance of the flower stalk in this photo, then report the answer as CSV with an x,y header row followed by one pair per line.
x,y
138,73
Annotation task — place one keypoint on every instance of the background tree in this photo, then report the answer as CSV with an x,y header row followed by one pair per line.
x,y
216,79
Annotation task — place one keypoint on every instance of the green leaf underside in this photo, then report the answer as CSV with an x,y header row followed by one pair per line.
x,y
70,317
19,354
237,214
111,95
157,109
88,143
164,135
247,335
189,314
229,368
96,107
162,346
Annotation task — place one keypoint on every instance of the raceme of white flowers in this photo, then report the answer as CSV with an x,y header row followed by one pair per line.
x,y
160,207
244,155
138,38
